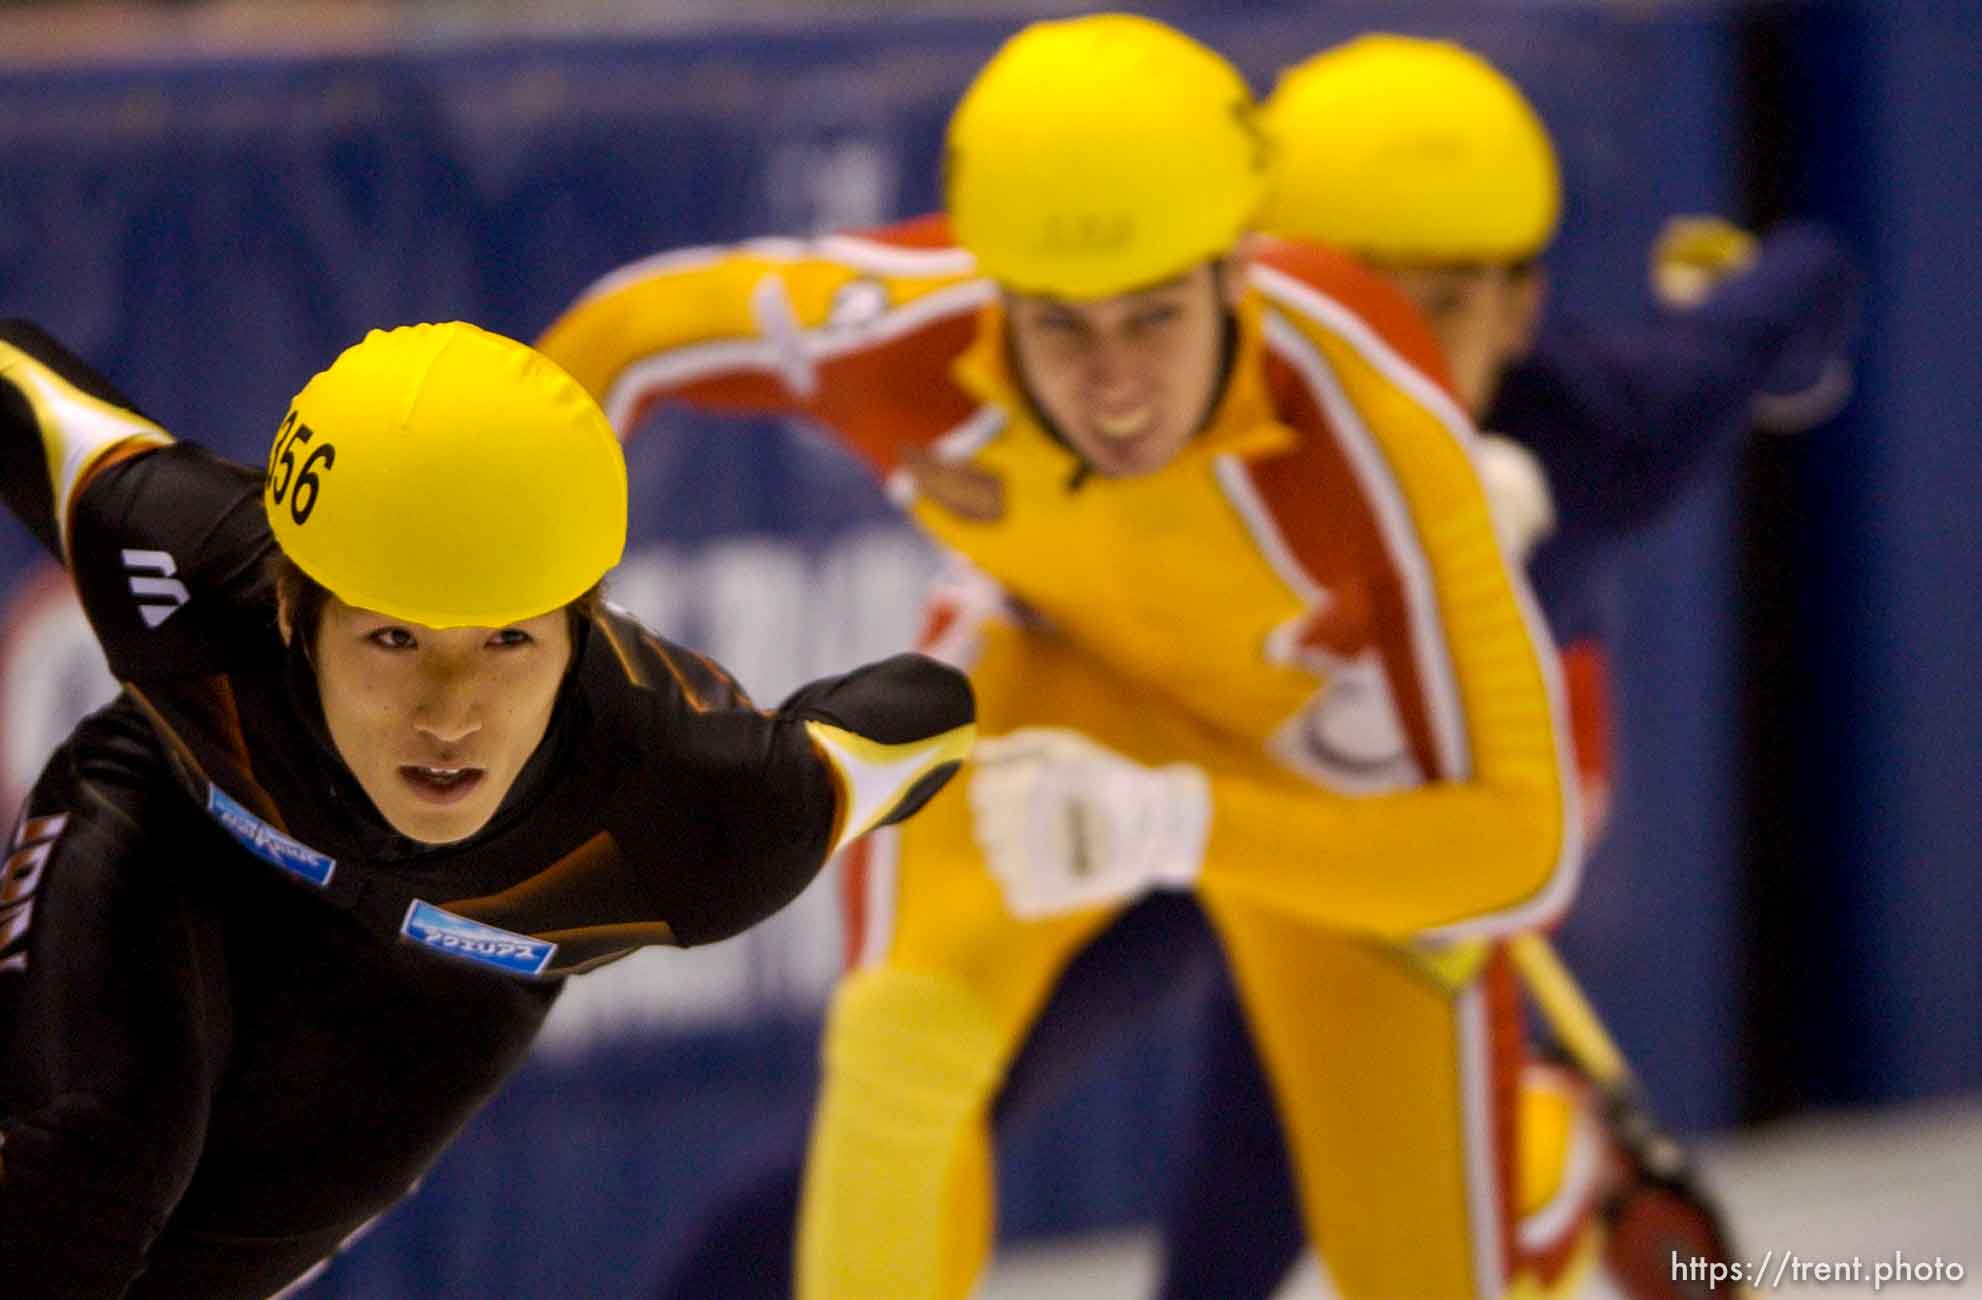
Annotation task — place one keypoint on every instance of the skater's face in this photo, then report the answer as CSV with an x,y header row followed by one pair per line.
x,y
1129,379
437,723
1483,316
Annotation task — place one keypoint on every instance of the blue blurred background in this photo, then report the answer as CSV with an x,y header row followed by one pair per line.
x,y
1783,916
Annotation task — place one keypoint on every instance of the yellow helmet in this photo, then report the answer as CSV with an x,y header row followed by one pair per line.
x,y
1412,150
447,476
1096,155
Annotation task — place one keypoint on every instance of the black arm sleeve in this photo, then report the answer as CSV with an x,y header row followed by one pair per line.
x,y
52,408
169,557
711,815
113,1017
166,546
24,468
842,755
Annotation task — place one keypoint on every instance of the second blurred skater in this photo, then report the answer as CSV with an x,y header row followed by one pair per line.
x,y
1430,166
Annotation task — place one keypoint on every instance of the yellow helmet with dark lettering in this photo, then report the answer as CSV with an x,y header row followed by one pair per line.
x,y
1097,155
449,477
1410,150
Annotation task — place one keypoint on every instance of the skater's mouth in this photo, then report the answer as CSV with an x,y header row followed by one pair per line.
x,y
442,785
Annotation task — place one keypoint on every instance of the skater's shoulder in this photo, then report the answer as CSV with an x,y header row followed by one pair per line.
x,y
1327,310
626,669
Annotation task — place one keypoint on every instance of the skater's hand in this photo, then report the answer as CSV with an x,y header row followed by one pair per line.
x,y
1692,255
1066,823
1517,494
966,491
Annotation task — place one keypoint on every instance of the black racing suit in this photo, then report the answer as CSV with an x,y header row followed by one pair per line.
x,y
239,1015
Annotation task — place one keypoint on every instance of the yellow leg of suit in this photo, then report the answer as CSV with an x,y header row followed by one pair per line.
x,y
1560,1162
1396,1078
1383,1064
898,1184
898,1194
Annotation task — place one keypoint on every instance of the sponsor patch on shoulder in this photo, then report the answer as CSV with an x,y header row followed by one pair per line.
x,y
266,842
487,945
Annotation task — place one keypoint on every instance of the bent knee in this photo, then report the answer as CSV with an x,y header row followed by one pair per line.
x,y
899,1030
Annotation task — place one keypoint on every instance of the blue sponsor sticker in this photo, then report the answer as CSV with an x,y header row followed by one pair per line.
x,y
457,936
266,842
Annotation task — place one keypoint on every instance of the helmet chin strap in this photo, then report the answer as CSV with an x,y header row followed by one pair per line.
x,y
1228,349
1082,467
1228,353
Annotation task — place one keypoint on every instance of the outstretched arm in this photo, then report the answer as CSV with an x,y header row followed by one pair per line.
x,y
165,540
61,424
733,811
847,754
853,332
1624,416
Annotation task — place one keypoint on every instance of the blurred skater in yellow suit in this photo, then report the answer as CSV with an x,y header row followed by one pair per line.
x,y
1238,622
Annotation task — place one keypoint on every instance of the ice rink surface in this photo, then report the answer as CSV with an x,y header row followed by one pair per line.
x,y
1830,1188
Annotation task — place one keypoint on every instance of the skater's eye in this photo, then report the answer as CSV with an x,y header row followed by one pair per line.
x,y
510,636
1059,324
392,638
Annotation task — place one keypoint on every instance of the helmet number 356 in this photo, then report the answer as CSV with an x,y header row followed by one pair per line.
x,y
299,484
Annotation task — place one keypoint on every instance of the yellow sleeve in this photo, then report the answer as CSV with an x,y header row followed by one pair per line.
x,y
726,321
1491,850
749,328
